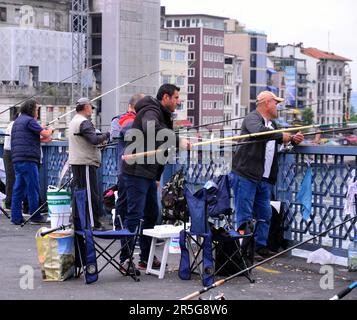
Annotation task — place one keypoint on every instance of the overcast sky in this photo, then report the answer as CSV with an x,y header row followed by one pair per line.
x,y
307,21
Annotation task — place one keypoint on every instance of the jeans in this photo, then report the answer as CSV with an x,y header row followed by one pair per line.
x,y
26,179
141,195
252,200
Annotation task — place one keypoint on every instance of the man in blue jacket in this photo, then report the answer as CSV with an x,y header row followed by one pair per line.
x,y
26,138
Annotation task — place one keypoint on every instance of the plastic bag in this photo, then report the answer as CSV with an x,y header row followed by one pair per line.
x,y
322,257
56,255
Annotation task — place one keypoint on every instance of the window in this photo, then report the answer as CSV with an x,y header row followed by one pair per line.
x,y
180,55
253,44
334,88
253,60
191,88
191,56
191,72
191,104
183,23
169,24
46,19
328,88
165,54
188,22
340,88
191,119
181,106
340,72
191,39
335,71
165,79
180,80
3,14
206,40
17,16
329,71
177,23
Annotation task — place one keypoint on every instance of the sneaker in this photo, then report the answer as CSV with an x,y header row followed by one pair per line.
x,y
124,267
42,220
156,264
18,223
263,253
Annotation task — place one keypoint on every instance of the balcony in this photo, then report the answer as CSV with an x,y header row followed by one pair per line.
x,y
331,166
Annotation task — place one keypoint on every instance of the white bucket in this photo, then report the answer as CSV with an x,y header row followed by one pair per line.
x,y
59,207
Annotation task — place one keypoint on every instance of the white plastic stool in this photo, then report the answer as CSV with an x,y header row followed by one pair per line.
x,y
165,232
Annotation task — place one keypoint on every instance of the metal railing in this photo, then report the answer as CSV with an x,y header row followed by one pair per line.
x,y
331,167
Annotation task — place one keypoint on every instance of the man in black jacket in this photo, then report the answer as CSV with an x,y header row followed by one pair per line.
x,y
255,168
152,127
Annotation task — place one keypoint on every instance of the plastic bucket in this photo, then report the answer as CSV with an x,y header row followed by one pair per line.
x,y
59,207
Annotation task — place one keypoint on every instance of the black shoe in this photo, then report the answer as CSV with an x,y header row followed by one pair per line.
x,y
42,220
129,271
263,253
100,227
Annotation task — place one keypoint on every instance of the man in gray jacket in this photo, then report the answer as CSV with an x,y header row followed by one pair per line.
x,y
85,157
255,169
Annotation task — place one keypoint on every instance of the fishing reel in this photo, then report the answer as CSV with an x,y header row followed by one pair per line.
x,y
286,148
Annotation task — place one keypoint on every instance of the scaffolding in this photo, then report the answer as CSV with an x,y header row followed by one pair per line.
x,y
79,27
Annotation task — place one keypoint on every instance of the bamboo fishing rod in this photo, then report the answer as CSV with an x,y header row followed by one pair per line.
x,y
305,135
104,94
53,85
223,281
215,141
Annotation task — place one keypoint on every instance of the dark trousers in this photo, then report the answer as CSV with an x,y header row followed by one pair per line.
x,y
121,203
141,194
90,183
10,177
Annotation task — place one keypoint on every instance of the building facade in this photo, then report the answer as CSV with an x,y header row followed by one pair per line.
x,y
204,35
333,86
252,47
233,81
174,68
130,42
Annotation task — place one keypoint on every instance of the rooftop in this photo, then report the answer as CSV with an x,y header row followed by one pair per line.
x,y
323,55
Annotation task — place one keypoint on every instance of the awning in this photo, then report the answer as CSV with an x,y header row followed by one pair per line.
x,y
271,71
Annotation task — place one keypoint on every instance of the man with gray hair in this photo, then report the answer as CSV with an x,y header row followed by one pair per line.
x,y
119,127
85,157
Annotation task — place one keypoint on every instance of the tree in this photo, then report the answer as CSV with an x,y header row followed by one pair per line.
x,y
354,117
308,116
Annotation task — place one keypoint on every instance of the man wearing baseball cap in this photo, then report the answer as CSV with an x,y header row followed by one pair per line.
x,y
255,168
85,157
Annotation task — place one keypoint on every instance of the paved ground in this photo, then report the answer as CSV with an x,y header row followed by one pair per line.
x,y
288,278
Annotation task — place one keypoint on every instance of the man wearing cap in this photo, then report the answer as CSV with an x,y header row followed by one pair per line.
x,y
85,157
255,168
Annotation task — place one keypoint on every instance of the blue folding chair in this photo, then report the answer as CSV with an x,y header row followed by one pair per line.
x,y
89,250
229,250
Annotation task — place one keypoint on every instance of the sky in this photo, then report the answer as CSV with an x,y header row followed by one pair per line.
x,y
329,25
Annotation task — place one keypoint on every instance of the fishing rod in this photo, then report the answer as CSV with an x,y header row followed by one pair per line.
x,y
61,227
223,281
53,85
305,135
215,141
344,292
43,205
102,95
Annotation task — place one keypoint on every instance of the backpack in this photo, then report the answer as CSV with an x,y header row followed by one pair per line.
x,y
174,205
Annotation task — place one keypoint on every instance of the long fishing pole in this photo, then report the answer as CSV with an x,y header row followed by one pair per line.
x,y
305,135
344,292
223,281
47,88
241,137
102,95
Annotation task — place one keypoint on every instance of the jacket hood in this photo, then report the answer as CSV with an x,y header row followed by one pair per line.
x,y
146,102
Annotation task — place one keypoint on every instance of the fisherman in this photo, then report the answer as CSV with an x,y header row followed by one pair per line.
x,y
85,157
255,168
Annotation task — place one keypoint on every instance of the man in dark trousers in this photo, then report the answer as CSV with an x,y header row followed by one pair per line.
x,y
141,178
120,126
85,157
255,169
